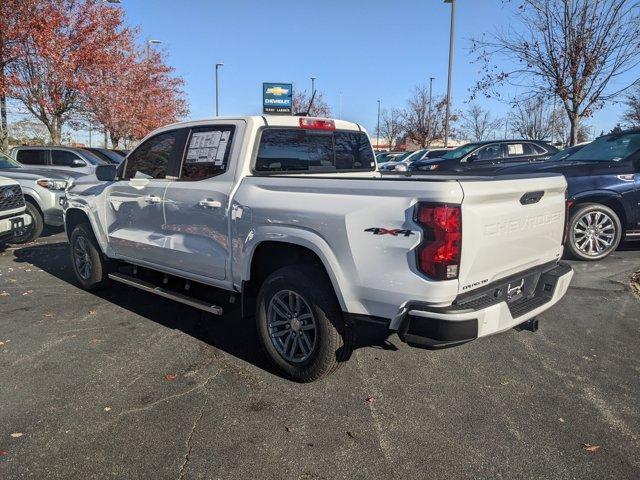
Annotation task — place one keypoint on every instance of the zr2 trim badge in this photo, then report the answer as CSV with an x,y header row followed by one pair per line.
x,y
394,232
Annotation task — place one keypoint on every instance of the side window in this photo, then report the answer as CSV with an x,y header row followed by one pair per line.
x,y
490,152
292,150
353,151
32,157
151,159
537,149
63,158
208,152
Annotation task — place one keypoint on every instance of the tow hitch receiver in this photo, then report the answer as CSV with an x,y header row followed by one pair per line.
x,y
530,325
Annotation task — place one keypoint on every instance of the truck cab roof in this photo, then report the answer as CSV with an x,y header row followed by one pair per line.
x,y
290,121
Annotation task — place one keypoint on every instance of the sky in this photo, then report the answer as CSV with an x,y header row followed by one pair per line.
x,y
360,51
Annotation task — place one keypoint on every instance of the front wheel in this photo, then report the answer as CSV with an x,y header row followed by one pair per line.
x,y
594,232
89,265
300,323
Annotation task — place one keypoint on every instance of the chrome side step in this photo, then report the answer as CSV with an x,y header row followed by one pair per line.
x,y
178,297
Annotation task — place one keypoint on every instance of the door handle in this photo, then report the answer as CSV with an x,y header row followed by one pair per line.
x,y
153,199
209,203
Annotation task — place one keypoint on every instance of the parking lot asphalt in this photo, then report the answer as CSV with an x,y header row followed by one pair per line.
x,y
123,384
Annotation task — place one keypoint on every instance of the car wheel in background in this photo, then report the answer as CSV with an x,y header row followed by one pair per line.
x,y
300,323
35,229
89,266
594,232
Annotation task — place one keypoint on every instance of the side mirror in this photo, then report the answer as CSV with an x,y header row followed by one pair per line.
x,y
78,163
472,158
106,173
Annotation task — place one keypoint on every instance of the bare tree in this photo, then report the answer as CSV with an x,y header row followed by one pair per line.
x,y
532,119
478,124
320,107
577,50
631,115
28,132
421,129
391,126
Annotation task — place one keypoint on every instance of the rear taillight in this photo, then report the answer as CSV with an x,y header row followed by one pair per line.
x,y
317,123
438,255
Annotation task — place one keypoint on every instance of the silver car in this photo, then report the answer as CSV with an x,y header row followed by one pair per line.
x,y
58,158
43,191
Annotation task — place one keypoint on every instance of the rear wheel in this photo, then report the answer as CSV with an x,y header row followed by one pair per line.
x,y
34,230
594,232
89,265
300,323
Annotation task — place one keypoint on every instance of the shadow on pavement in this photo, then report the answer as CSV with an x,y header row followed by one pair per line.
x,y
229,332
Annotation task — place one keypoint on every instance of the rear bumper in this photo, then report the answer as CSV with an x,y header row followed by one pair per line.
x,y
484,312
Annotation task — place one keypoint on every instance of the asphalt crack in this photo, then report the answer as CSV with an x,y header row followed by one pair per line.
x,y
189,443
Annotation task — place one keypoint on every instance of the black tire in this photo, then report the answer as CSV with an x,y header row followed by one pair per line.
x,y
332,340
588,250
35,229
82,239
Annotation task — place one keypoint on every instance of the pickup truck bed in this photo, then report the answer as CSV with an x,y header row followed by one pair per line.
x,y
441,259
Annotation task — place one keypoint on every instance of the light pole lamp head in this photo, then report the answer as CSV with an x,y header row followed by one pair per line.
x,y
154,42
220,64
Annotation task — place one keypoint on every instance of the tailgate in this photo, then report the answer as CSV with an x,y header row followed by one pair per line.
x,y
509,225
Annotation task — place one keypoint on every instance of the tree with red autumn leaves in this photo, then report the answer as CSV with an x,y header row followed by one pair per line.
x,y
13,32
125,100
78,59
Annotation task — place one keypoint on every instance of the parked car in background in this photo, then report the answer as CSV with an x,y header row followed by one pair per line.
x,y
403,159
603,193
288,217
485,157
386,156
436,153
566,153
13,220
43,192
108,155
58,158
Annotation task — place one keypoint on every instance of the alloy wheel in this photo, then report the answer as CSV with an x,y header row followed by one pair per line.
x,y
82,258
594,233
292,326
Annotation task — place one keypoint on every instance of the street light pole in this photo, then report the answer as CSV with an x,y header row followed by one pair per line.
x,y
218,65
451,33
313,85
378,130
150,42
431,79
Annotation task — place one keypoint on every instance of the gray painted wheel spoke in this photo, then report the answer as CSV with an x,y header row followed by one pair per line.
x,y
283,306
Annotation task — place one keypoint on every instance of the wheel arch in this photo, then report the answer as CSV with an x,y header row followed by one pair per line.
x,y
73,216
268,255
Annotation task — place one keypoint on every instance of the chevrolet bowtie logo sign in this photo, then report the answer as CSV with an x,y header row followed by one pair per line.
x,y
277,91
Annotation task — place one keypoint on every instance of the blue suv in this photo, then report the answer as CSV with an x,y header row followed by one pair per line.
x,y
603,193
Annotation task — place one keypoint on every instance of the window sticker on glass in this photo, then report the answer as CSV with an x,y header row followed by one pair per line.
x,y
208,147
515,149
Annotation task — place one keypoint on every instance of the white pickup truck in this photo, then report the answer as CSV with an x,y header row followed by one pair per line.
x,y
290,216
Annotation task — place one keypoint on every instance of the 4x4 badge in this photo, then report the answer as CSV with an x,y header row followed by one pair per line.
x,y
387,231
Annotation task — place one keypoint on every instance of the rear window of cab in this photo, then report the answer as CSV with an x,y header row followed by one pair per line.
x,y
300,150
